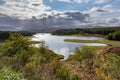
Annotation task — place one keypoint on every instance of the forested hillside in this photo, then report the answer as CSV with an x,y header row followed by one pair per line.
x,y
110,33
5,34
114,36
102,31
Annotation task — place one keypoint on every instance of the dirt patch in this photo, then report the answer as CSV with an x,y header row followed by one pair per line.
x,y
115,50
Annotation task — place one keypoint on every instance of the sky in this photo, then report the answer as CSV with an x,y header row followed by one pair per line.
x,y
44,14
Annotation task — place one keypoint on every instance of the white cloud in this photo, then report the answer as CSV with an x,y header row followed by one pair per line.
x,y
95,12
23,9
109,6
100,10
76,1
104,1
100,1
104,16
65,1
86,1
81,1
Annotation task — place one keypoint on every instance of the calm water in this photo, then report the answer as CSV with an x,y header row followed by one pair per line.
x,y
57,44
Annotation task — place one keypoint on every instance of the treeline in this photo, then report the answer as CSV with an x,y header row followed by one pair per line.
x,y
112,33
101,31
114,36
5,34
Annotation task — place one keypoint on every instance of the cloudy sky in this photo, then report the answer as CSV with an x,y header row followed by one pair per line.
x,y
44,14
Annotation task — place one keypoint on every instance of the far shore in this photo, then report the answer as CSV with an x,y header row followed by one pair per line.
x,y
108,42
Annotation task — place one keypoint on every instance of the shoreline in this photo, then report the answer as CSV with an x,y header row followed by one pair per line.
x,y
108,42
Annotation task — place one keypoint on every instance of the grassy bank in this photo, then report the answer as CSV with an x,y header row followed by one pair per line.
x,y
86,34
109,42
36,42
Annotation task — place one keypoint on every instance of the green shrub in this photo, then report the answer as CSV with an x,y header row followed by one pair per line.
x,y
85,56
61,71
78,55
114,36
15,43
7,74
42,48
85,52
74,76
113,62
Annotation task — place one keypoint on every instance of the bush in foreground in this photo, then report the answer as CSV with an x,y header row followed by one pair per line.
x,y
7,74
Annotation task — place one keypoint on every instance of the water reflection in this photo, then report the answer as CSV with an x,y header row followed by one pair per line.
x,y
57,44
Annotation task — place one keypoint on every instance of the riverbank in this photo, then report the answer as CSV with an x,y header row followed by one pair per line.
x,y
87,35
108,42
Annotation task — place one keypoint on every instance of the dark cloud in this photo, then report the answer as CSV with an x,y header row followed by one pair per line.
x,y
8,28
60,20
113,20
77,15
101,10
6,20
9,23
56,21
53,20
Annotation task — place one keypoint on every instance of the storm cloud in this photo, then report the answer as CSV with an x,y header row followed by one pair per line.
x,y
52,20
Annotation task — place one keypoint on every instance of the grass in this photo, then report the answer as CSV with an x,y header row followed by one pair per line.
x,y
108,42
36,42
86,34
